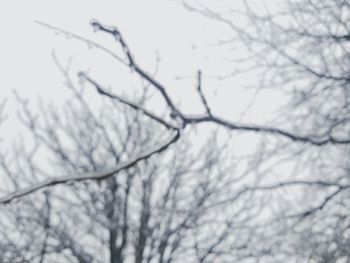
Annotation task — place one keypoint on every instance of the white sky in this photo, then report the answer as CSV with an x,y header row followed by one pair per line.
x,y
148,26
180,38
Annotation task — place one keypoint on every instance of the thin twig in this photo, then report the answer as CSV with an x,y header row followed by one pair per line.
x,y
201,94
129,103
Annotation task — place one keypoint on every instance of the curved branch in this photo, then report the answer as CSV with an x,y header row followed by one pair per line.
x,y
131,104
264,129
187,119
250,189
209,117
132,63
93,176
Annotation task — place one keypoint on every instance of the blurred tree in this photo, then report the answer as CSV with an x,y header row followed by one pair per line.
x,y
287,201
162,209
302,49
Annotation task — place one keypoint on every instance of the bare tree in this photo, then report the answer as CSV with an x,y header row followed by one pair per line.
x,y
302,49
163,209
293,190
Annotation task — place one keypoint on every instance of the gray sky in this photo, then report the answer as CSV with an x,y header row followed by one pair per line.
x,y
183,40
157,25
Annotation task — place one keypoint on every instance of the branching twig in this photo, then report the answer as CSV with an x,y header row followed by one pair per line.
x,y
246,190
187,119
129,103
209,117
132,63
83,39
321,205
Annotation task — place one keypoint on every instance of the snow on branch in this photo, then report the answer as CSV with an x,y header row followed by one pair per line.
x,y
209,116
127,102
92,176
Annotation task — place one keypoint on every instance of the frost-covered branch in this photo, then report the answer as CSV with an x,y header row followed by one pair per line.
x,y
92,176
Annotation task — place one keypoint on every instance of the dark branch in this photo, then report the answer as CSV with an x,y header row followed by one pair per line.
x,y
187,119
129,103
93,176
201,94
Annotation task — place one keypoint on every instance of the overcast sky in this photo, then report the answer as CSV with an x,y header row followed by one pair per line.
x,y
149,26
184,41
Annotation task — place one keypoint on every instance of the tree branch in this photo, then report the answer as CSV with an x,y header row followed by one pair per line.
x,y
93,176
209,117
201,94
129,103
